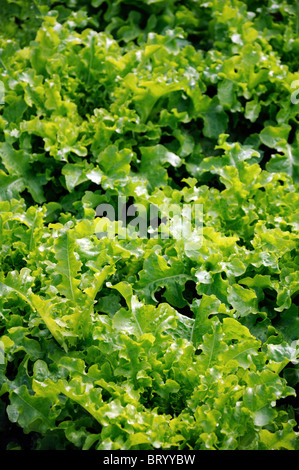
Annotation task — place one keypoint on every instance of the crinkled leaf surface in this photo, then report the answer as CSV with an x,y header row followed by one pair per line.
x,y
114,342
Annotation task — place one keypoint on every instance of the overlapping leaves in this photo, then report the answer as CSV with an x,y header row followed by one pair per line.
x,y
149,343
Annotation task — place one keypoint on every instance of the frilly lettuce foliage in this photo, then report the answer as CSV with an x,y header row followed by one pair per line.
x,y
149,343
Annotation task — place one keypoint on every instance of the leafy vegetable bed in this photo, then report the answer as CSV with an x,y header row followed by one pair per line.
x,y
141,342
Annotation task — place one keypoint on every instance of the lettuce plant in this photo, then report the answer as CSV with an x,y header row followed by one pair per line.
x,y
129,342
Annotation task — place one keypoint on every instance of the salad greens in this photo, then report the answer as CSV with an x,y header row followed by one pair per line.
x,y
143,342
